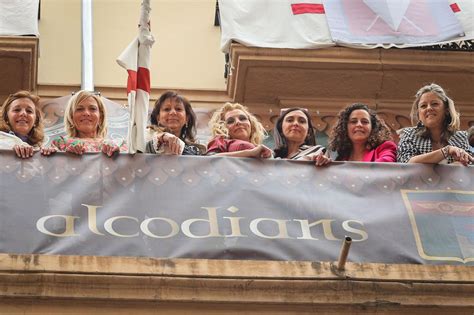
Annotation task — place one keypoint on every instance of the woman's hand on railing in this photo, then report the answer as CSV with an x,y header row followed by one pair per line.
x,y
48,150
23,151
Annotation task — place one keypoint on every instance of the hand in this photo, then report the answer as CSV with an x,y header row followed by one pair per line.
x,y
321,159
110,148
261,151
76,147
172,142
48,151
23,151
460,155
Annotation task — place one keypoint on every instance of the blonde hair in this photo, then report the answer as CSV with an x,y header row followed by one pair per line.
x,y
452,121
36,135
71,107
218,126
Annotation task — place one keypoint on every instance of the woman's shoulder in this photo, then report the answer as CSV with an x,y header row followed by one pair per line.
x,y
459,139
388,144
461,134
407,131
8,140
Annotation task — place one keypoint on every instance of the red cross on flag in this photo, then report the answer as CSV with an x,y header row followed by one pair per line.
x,y
274,23
136,60
412,22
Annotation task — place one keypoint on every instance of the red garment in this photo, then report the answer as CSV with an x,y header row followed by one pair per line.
x,y
385,152
220,144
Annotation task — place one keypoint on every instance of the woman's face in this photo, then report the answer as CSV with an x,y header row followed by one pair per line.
x,y
295,127
21,116
172,115
238,124
359,126
86,118
431,110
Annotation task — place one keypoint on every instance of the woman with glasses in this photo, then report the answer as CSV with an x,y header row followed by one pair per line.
x,y
85,122
294,137
436,138
173,127
21,125
237,133
360,135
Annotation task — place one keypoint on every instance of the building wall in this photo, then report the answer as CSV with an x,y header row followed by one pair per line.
x,y
186,54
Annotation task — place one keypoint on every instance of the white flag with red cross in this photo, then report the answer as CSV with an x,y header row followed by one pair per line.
x,y
136,59
275,24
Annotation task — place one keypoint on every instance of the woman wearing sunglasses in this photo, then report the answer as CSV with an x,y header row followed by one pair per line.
x,y
85,122
294,137
236,132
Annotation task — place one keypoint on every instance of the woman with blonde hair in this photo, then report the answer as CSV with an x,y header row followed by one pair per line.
x,y
85,121
21,125
436,136
236,132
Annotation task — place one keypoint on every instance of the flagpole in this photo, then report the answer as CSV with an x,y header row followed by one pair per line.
x,y
87,82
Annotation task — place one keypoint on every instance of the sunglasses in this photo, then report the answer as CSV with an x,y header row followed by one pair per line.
x,y
232,120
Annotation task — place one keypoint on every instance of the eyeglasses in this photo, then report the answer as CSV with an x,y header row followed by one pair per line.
x,y
92,92
232,120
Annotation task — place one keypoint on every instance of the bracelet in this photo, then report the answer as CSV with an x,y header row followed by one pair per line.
x,y
445,151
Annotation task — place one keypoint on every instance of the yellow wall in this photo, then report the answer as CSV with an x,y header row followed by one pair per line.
x,y
186,54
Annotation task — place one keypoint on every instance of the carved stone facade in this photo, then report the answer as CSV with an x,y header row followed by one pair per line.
x,y
326,80
18,64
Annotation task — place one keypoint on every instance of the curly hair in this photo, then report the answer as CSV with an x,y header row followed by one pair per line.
x,y
281,144
218,126
451,122
71,107
339,139
188,132
36,134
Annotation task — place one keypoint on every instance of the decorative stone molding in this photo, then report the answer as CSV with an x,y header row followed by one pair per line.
x,y
18,64
325,80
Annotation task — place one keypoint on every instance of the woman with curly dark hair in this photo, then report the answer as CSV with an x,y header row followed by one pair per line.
x,y
360,135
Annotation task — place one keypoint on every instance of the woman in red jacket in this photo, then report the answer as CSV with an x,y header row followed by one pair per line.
x,y
360,135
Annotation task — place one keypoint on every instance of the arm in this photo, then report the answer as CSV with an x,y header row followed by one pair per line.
x,y
387,152
406,147
433,157
259,151
436,156
70,145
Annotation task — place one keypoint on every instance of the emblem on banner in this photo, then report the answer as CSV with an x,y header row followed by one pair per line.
x,y
443,224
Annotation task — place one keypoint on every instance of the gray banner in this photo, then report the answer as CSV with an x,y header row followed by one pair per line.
x,y
230,208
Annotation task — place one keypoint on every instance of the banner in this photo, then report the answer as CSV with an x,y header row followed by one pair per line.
x,y
355,23
19,17
231,208
275,24
412,22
